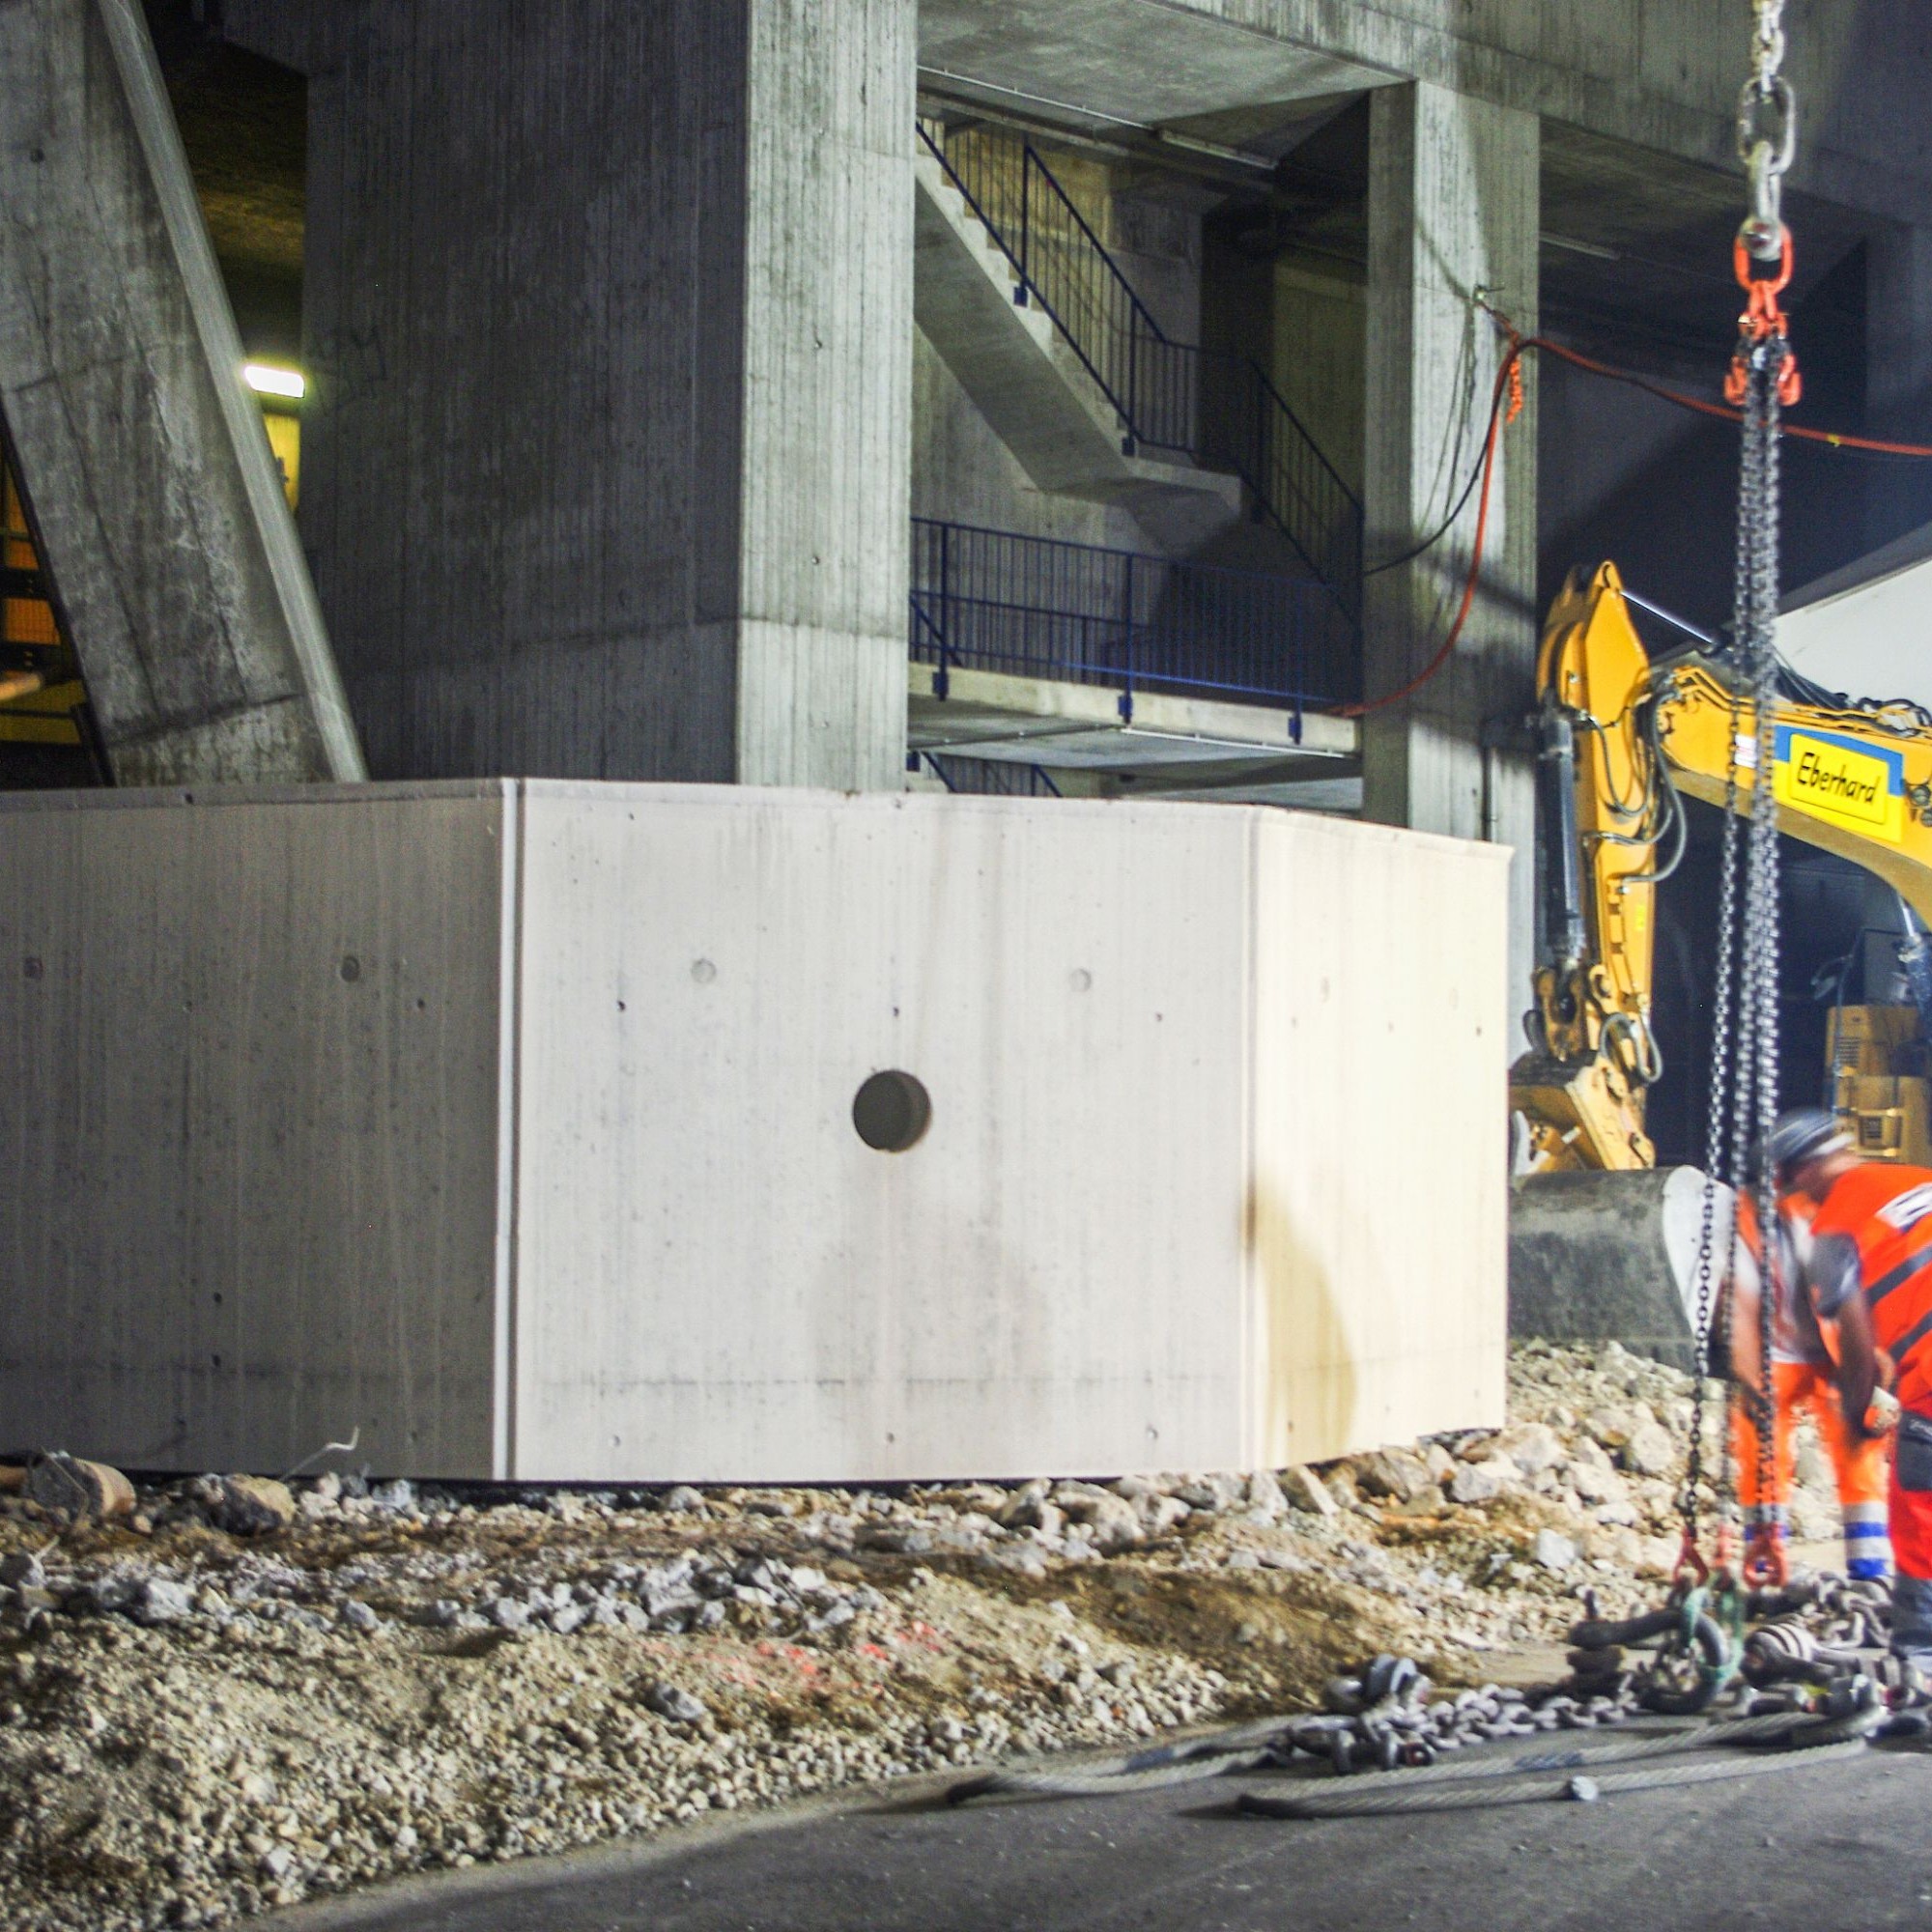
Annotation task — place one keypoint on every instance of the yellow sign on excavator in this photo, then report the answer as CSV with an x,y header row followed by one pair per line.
x,y
1830,777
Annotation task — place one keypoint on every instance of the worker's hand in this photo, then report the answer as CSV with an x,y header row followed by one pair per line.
x,y
1882,1416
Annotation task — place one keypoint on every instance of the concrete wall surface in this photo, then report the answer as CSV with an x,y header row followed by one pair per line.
x,y
251,1072
512,1124
1378,1227
604,466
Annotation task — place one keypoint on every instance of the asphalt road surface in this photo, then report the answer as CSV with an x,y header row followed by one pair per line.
x,y
1846,1845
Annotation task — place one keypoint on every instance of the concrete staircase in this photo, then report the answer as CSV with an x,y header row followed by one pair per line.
x,y
1032,385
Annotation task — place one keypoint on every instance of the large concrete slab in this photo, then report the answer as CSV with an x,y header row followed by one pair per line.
x,y
156,503
513,1125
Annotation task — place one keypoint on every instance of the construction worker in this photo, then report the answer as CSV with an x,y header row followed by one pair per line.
x,y
1812,1280
1882,1212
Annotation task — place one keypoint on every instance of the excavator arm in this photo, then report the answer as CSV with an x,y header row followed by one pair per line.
x,y
1618,737
1607,807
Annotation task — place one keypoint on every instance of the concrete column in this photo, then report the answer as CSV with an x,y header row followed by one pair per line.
x,y
142,456
1453,202
607,465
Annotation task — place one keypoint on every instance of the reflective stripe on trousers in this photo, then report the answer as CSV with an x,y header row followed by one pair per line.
x,y
1858,1465
1867,1541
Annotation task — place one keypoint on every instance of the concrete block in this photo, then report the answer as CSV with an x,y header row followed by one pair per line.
x,y
514,1124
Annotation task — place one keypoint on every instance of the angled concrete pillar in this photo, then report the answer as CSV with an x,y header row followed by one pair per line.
x,y
142,456
1452,206
609,321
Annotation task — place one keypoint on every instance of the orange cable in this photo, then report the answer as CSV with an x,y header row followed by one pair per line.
x,y
1509,380
1836,438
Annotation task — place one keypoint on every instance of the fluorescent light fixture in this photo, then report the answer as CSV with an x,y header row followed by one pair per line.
x,y
266,380
1570,246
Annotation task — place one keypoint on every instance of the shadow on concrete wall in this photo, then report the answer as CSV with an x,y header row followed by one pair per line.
x,y
1308,1385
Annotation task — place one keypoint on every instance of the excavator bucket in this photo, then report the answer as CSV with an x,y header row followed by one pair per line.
x,y
1602,1256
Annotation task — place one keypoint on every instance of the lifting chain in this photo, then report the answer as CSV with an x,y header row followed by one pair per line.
x,y
1767,144
1690,1564
1762,381
1767,133
1756,1085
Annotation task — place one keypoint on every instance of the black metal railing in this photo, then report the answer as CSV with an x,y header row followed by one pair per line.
x,y
987,778
1033,606
1222,409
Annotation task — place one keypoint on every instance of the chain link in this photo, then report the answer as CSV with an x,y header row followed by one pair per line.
x,y
1714,1138
1768,40
1767,133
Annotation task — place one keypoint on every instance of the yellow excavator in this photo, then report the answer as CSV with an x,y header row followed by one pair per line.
x,y
1620,735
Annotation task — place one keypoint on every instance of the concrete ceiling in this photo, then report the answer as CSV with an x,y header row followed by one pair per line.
x,y
245,140
1636,243
1639,241
243,122
1099,63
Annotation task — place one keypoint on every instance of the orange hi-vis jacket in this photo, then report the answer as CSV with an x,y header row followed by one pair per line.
x,y
1887,1210
1798,1331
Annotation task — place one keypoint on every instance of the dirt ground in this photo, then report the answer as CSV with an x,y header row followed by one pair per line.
x,y
197,1724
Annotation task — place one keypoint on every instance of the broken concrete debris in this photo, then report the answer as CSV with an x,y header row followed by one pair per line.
x,y
679,1706
245,1505
69,1489
201,1716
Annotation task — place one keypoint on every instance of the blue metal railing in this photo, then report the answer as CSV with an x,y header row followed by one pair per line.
x,y
1221,410
1033,606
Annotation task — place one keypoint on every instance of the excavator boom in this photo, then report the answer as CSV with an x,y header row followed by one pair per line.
x,y
1619,736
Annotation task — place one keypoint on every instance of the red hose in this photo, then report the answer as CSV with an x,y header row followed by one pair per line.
x,y
1835,438
1508,383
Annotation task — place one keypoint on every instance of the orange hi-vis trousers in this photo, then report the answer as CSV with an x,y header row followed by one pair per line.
x,y
1860,1467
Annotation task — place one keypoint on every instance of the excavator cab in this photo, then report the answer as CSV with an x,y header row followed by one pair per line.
x,y
1879,1076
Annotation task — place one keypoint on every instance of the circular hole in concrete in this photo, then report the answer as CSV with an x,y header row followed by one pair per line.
x,y
891,1111
351,968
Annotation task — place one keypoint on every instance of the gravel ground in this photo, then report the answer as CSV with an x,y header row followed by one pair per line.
x,y
247,1695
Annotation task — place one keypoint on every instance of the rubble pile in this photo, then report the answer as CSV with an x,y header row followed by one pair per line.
x,y
230,1693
